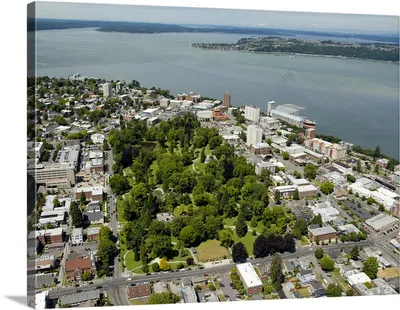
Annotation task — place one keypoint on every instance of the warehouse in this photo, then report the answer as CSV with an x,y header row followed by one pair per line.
x,y
381,222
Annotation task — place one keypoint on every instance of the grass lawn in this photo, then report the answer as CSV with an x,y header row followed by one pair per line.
x,y
304,292
199,166
337,277
130,262
368,285
247,240
230,221
221,298
304,241
317,183
259,227
141,301
211,250
120,210
389,273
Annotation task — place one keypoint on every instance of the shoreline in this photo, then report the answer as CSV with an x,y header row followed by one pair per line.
x,y
295,54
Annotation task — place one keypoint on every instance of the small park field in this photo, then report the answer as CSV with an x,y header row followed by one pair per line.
x,y
211,250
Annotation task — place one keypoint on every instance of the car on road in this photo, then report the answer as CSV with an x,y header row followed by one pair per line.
x,y
201,267
232,285
129,279
78,290
99,286
91,282
148,274
77,285
221,284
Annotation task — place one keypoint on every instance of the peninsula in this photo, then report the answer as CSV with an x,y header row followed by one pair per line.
x,y
276,45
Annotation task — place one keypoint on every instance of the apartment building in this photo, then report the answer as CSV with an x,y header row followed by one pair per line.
x,y
252,113
254,135
251,281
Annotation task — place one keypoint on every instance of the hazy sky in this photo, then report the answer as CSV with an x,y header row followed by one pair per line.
x,y
269,19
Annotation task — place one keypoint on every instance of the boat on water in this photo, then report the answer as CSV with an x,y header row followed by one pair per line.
x,y
309,124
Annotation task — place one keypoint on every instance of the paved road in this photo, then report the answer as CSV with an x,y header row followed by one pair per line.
x,y
116,283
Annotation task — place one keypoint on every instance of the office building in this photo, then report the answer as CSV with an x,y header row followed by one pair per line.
x,y
252,113
35,149
254,135
107,90
322,233
288,118
54,175
269,122
260,149
251,281
227,100
119,86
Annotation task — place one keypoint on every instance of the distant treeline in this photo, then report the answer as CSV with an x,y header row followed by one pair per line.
x,y
135,27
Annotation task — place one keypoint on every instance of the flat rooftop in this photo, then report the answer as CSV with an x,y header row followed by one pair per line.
x,y
249,275
380,221
322,231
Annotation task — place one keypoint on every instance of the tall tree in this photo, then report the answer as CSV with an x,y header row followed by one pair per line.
x,y
76,215
333,290
225,238
355,252
241,225
327,263
276,273
310,171
370,267
296,195
319,253
239,253
377,152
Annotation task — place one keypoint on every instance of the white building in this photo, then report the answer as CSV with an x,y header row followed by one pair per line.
x,y
204,115
269,122
97,138
382,222
254,135
358,278
252,113
265,165
118,86
77,236
107,90
326,210
250,278
270,106
231,139
288,118
54,175
35,149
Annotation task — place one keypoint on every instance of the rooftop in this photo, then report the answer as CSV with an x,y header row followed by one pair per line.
x,y
322,231
249,275
381,220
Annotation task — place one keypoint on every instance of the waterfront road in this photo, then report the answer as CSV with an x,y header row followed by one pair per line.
x,y
118,283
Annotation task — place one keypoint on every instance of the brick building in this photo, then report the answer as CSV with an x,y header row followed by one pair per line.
x,y
47,236
75,267
250,278
139,291
322,233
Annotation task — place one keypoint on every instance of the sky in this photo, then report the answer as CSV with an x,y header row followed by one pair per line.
x,y
269,19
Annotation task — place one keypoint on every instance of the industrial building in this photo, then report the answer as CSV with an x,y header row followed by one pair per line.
x,y
288,118
251,281
382,222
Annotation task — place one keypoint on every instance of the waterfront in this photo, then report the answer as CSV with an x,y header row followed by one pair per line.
x,y
357,100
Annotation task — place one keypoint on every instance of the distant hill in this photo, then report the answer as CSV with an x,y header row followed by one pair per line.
x,y
150,28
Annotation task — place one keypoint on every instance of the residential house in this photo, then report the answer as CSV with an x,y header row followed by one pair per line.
x,y
77,236
93,233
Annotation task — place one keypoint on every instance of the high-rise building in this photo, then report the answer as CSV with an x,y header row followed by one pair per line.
x,y
254,135
119,86
252,113
227,100
107,90
271,106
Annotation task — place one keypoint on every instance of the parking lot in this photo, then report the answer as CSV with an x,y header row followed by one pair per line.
x,y
42,280
93,246
226,288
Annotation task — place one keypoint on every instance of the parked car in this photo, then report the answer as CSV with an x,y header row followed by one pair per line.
x,y
99,286
78,290
77,285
